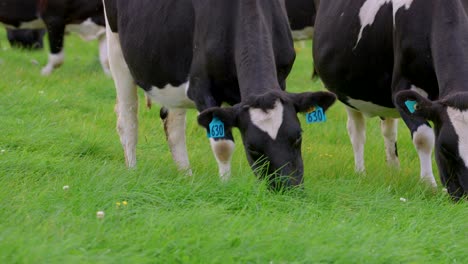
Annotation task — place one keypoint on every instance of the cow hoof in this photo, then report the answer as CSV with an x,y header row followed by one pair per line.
x,y
394,163
429,182
188,173
46,71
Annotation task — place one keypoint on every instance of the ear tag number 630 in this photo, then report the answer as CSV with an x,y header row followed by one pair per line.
x,y
316,115
411,105
216,129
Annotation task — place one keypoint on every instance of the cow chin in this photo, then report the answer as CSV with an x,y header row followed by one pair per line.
x,y
453,174
281,176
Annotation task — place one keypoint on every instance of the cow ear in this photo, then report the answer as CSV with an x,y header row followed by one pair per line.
x,y
304,101
228,115
414,104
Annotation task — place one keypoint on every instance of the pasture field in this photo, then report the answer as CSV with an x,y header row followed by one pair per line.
x,y
60,131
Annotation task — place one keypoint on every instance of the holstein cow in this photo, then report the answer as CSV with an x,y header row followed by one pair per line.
x,y
408,58
26,38
301,15
85,17
201,53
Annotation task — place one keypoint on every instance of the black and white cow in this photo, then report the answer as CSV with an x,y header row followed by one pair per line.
x,y
199,54
26,38
85,17
301,15
405,58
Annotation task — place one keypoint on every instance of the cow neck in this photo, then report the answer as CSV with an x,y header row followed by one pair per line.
x,y
255,61
450,48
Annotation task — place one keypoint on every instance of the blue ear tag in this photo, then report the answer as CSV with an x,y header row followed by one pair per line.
x,y
411,105
316,115
216,129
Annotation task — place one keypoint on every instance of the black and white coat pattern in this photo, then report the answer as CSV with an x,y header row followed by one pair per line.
x,y
408,59
85,17
199,54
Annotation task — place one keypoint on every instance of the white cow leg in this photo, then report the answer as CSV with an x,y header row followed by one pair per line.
x,y
424,140
127,98
174,127
55,60
389,128
103,55
357,133
223,150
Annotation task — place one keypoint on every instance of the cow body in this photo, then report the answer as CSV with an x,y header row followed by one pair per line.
x,y
401,58
82,16
207,53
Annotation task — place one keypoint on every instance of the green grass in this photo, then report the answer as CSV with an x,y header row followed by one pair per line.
x,y
60,130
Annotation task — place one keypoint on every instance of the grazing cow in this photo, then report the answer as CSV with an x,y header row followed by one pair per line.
x,y
85,17
26,38
405,59
199,54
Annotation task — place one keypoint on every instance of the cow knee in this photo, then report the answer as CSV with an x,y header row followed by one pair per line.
x,y
356,126
127,127
223,150
424,138
390,132
174,128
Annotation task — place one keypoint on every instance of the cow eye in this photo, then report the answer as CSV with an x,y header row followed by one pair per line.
x,y
298,141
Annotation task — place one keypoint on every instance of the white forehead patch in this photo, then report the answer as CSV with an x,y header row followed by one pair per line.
x,y
268,121
459,121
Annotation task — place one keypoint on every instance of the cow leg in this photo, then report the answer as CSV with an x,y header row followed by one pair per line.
x,y
174,127
223,149
422,134
56,30
389,128
424,140
357,133
103,55
127,98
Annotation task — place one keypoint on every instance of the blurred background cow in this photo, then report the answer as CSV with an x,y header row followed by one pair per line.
x,y
85,17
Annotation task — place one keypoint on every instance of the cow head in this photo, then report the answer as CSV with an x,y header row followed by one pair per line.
x,y
271,131
450,118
